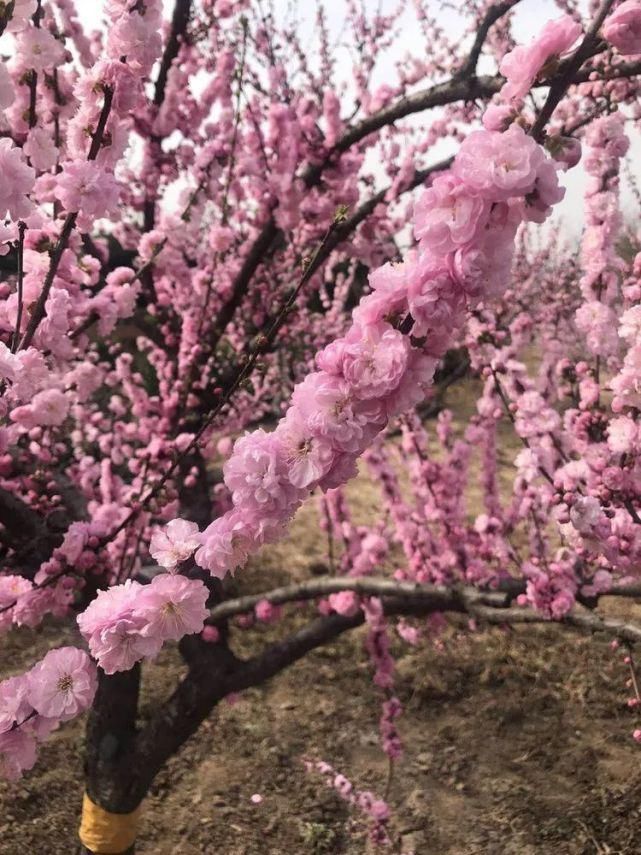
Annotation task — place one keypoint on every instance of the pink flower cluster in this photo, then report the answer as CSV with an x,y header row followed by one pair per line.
x,y
465,222
128,622
60,687
377,810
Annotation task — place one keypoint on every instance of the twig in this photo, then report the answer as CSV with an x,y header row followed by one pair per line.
x,y
16,336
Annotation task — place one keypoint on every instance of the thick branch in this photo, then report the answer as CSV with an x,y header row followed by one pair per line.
x,y
583,620
498,10
179,22
27,532
432,596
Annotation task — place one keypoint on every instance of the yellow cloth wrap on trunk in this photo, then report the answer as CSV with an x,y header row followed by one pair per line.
x,y
107,833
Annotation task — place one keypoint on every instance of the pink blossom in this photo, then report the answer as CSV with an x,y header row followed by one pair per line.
x,y
566,151
39,50
11,589
309,458
435,302
622,435
630,325
522,65
598,324
175,543
14,706
210,634
49,407
265,611
257,476
17,753
17,182
345,603
498,117
447,215
534,416
585,514
113,628
623,28
40,149
63,684
23,11
226,543
85,186
136,37
389,293
172,606
499,166
371,359
330,410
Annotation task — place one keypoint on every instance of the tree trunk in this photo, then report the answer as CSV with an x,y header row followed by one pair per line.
x,y
111,731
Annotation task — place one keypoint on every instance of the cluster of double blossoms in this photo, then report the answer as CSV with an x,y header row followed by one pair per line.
x,y
465,224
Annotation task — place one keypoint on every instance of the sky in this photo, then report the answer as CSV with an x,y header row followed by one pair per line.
x,y
529,17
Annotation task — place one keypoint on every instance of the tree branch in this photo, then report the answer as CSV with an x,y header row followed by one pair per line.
x,y
67,228
564,78
433,596
179,22
498,10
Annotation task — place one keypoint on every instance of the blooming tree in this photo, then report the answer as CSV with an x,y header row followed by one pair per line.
x,y
202,236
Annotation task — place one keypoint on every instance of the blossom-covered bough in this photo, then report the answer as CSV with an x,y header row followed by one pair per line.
x,y
188,222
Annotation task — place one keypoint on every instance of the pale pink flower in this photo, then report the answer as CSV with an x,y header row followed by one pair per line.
x,y
23,11
48,407
447,215
136,37
175,543
389,292
308,457
226,543
499,166
598,324
63,684
522,65
630,325
372,359
345,603
14,706
498,117
257,475
173,606
75,540
16,182
534,415
17,753
113,628
85,186
40,149
329,408
622,435
585,514
623,28
38,49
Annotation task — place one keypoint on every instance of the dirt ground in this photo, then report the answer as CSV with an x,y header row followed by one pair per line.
x,y
516,743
